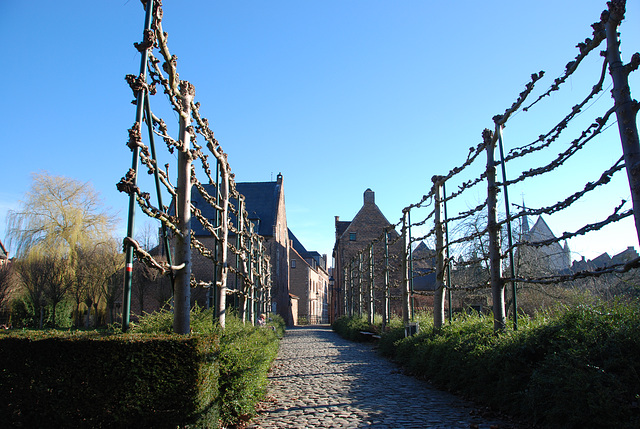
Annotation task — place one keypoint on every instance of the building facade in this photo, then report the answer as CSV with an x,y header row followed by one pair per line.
x,y
265,205
354,236
309,281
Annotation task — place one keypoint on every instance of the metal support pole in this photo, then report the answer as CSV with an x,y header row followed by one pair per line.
x,y
156,176
345,296
626,107
385,290
509,234
446,237
216,255
405,266
371,287
411,295
360,283
140,97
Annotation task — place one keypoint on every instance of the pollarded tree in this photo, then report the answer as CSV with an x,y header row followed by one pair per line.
x,y
58,215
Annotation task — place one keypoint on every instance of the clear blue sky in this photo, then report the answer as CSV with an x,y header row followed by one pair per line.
x,y
339,96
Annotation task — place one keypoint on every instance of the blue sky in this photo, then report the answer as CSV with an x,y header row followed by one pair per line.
x,y
339,96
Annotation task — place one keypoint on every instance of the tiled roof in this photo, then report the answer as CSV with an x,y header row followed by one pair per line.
x,y
3,251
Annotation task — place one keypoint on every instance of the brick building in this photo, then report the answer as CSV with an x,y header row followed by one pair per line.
x,y
265,205
352,237
309,281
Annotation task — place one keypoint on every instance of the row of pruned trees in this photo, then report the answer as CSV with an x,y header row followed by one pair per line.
x,y
493,258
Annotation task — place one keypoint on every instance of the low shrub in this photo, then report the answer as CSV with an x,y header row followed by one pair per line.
x,y
146,378
570,368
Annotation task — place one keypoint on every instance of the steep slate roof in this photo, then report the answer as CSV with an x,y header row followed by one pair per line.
x,y
261,203
341,227
297,245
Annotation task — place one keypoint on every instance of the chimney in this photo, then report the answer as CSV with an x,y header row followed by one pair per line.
x,y
369,197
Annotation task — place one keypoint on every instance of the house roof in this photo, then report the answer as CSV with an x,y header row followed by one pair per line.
x,y
295,243
341,227
3,251
261,204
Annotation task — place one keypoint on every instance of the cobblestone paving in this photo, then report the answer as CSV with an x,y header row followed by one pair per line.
x,y
320,380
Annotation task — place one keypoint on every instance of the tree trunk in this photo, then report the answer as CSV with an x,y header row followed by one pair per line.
x,y
626,108
182,291
495,262
438,300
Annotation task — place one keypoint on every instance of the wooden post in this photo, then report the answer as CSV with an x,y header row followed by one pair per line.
x,y
495,262
626,108
438,300
405,269
182,292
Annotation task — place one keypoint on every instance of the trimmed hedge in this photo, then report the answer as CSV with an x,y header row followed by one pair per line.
x,y
576,368
148,378
108,381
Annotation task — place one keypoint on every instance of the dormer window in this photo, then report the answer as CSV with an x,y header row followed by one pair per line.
x,y
352,236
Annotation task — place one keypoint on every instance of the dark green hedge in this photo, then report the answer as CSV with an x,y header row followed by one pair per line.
x,y
576,368
148,378
108,381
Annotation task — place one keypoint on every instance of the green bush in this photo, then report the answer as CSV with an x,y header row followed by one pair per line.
x,y
350,327
73,379
570,368
244,358
147,378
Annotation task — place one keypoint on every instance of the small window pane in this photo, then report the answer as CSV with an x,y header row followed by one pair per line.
x,y
352,236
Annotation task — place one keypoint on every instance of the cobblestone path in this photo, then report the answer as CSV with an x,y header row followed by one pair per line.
x,y
320,380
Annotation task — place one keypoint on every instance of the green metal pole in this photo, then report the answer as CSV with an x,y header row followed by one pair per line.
x,y
140,98
156,176
216,224
446,234
412,299
387,308
509,236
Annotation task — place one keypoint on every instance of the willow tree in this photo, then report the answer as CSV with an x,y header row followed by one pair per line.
x,y
58,215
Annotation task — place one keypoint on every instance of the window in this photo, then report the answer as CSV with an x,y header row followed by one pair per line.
x,y
293,263
352,236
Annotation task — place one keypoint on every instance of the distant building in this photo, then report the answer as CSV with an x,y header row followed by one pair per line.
x,y
265,206
309,281
604,260
549,259
352,237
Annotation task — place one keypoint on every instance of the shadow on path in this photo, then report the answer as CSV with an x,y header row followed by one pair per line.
x,y
322,380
